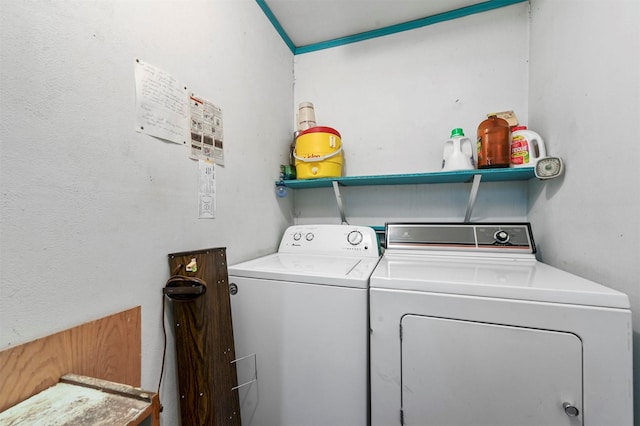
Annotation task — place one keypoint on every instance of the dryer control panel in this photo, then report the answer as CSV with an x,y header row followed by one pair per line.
x,y
347,240
494,237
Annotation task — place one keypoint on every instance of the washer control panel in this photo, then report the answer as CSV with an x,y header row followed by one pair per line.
x,y
505,237
348,240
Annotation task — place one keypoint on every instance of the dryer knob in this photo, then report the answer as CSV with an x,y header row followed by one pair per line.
x,y
501,237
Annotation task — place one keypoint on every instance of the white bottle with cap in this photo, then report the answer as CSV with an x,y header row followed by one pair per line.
x,y
527,147
458,152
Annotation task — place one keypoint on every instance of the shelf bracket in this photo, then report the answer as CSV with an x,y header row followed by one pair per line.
x,y
336,190
472,197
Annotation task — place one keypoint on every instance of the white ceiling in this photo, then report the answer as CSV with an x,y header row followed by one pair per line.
x,y
310,22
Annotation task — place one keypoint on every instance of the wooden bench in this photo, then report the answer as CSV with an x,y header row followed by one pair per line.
x,y
81,400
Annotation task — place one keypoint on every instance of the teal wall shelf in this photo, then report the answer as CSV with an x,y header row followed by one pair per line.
x,y
488,175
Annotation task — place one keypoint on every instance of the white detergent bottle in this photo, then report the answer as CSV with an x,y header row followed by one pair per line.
x,y
527,147
458,152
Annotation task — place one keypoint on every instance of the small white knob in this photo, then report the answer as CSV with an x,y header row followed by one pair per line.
x,y
354,238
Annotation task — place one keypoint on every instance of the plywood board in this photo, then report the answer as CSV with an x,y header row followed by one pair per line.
x,y
108,348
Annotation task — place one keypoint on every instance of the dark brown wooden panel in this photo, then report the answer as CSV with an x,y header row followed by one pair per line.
x,y
204,339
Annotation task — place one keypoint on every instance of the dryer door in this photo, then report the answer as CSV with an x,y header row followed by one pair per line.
x,y
470,373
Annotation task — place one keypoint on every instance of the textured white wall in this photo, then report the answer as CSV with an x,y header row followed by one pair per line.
x,y
90,208
585,98
395,100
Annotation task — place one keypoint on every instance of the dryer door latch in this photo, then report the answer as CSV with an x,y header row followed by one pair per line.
x,y
570,409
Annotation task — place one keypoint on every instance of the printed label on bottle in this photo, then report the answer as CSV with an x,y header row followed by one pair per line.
x,y
519,150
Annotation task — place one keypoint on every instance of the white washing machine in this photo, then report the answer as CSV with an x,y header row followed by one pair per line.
x,y
300,317
468,328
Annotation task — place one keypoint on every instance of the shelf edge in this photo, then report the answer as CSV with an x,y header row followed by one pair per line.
x,y
488,175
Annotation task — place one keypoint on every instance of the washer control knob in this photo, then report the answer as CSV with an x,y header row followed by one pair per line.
x,y
309,236
354,238
501,237
570,409
297,236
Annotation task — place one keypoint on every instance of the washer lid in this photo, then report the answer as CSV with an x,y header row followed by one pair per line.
x,y
509,278
312,269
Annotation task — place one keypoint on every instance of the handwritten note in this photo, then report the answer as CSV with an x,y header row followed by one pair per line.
x,y
162,105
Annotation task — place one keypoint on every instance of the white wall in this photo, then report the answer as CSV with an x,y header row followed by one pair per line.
x,y
90,208
585,98
395,101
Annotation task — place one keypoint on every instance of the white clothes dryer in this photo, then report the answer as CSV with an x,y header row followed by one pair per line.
x,y
303,314
468,328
